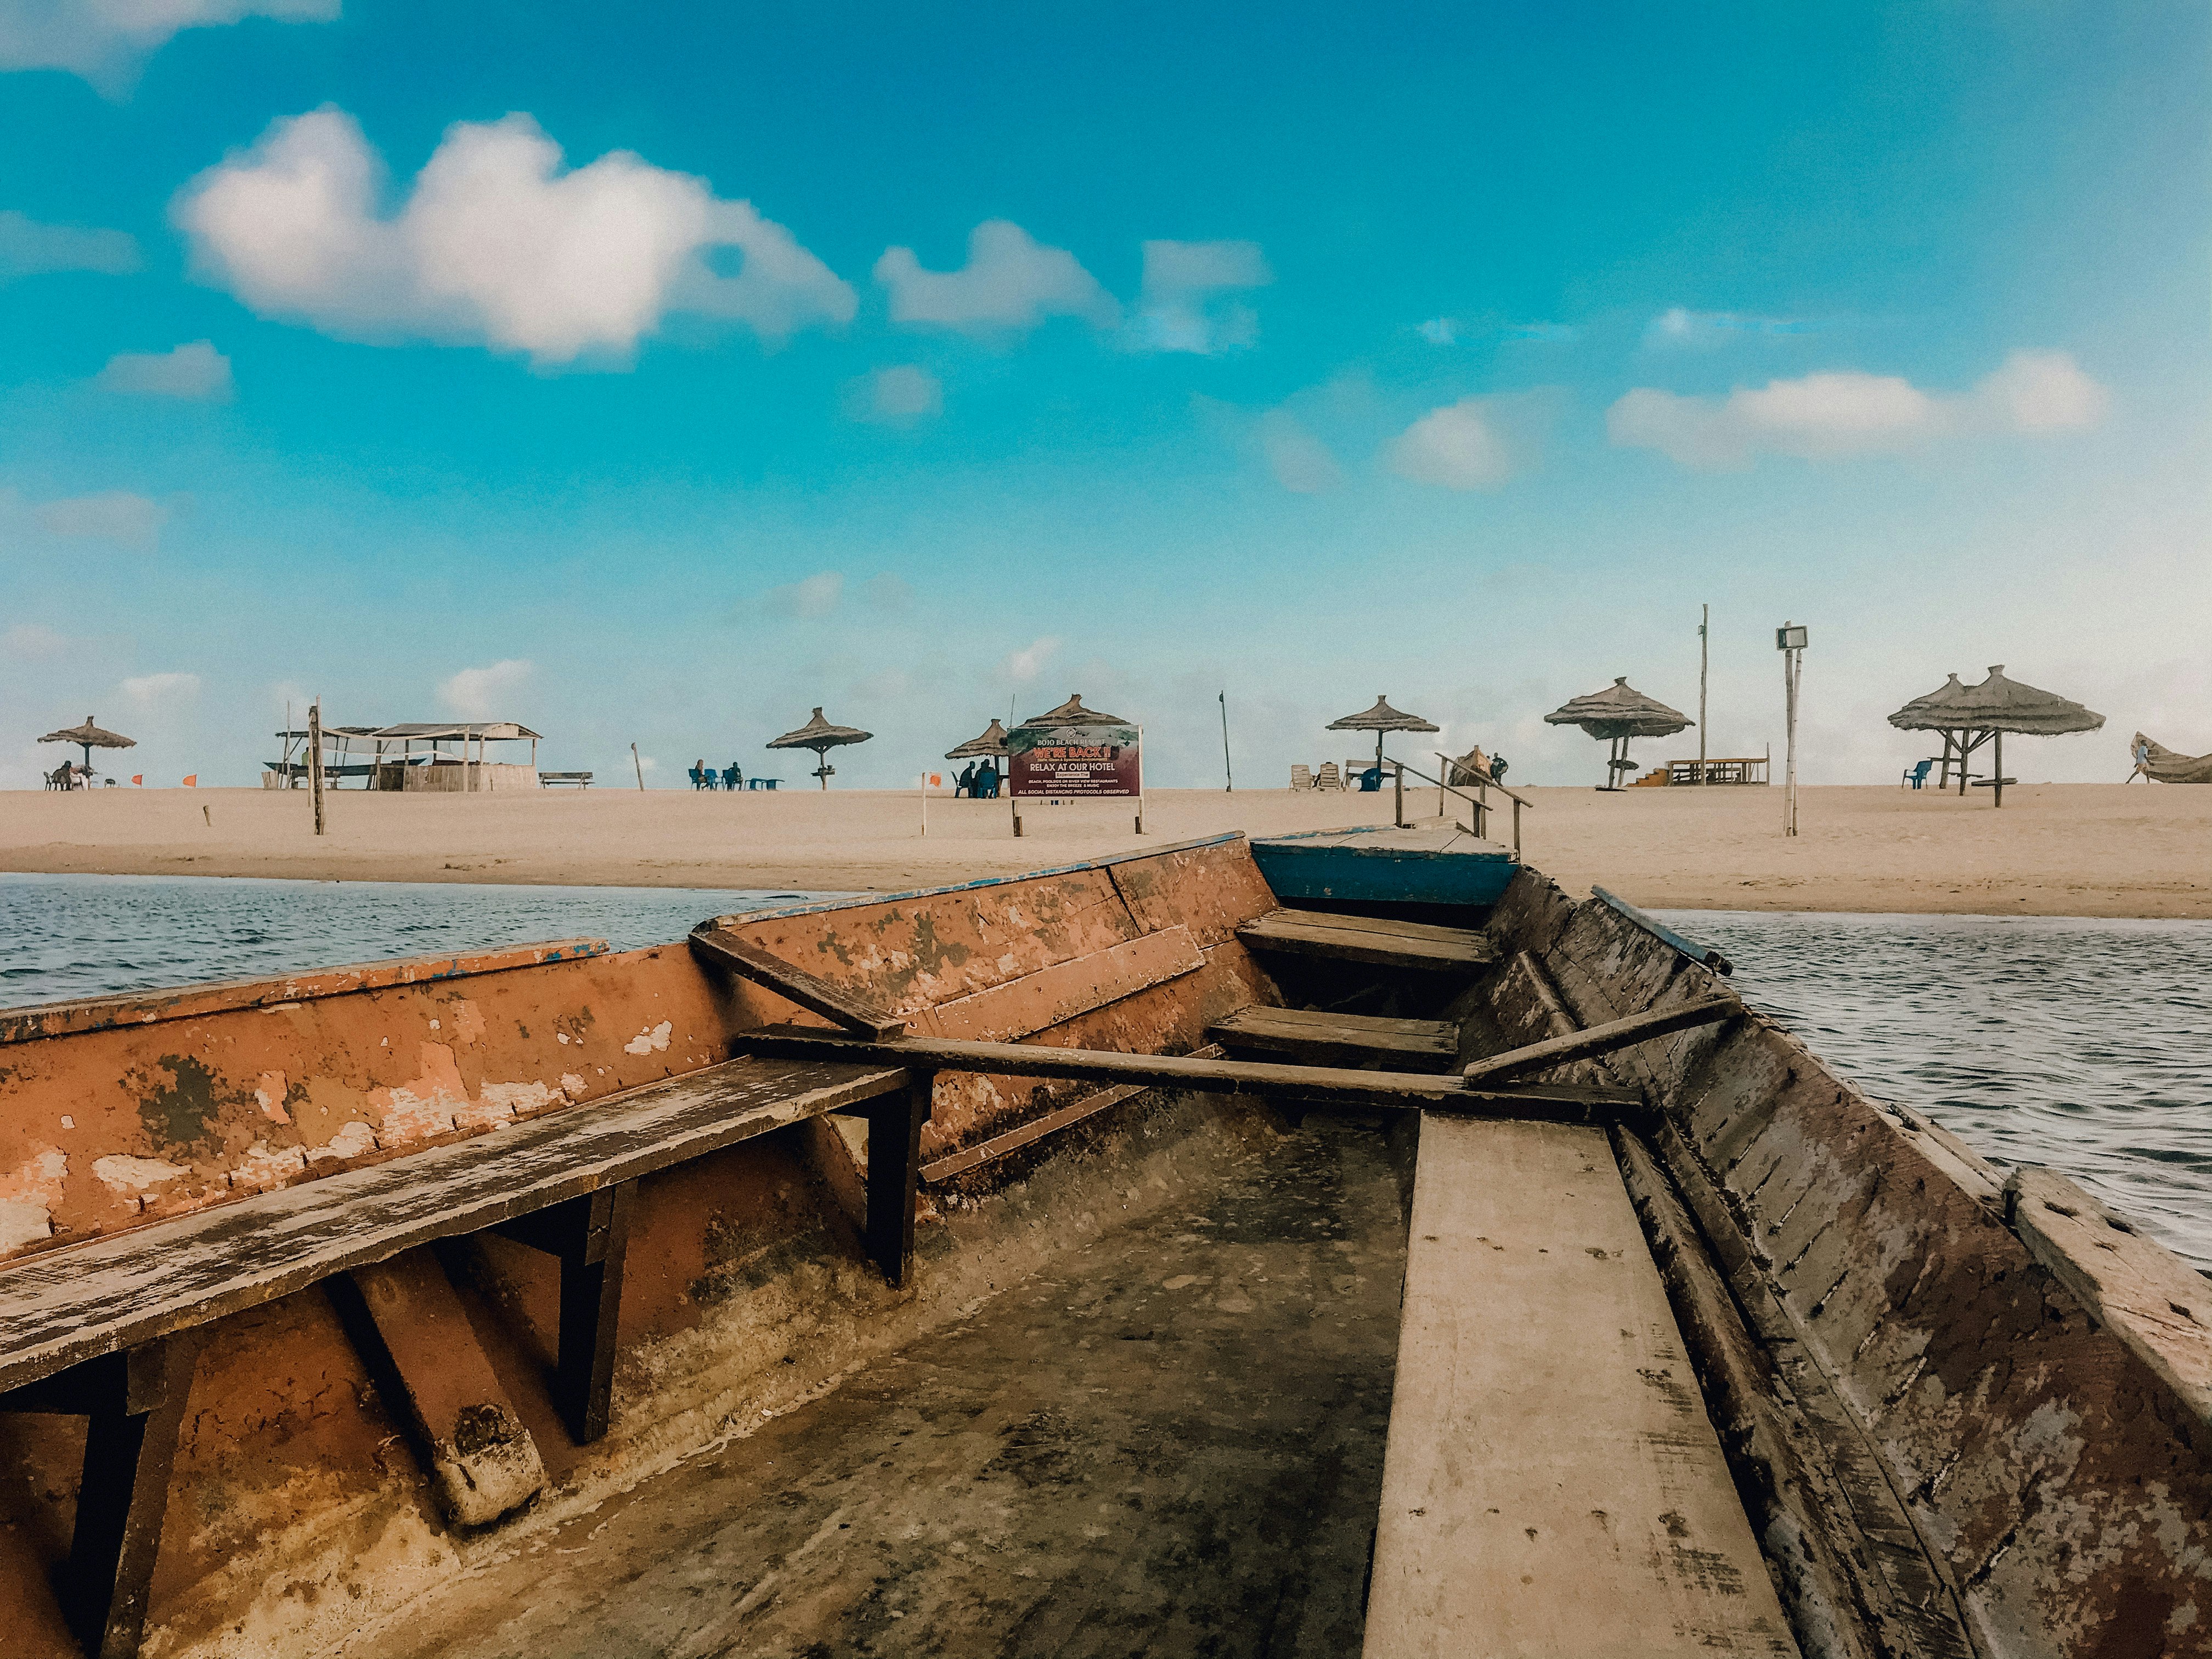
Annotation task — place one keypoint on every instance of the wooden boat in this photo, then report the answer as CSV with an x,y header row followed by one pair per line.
x,y
421,1307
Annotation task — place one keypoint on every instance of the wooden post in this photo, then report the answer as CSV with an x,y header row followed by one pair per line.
x,y
1398,786
640,765
1140,780
1228,772
894,1125
589,1235
1705,659
1996,788
315,758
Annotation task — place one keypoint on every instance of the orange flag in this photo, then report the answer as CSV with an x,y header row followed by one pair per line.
x,y
193,781
138,778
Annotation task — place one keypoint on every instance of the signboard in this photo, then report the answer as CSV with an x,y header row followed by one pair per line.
x,y
1075,762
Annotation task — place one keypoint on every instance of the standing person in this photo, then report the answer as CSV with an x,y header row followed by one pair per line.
x,y
1497,769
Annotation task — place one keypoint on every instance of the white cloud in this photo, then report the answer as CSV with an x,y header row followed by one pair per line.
x,y
194,371
1838,415
888,592
497,242
816,596
479,694
1458,447
901,396
162,691
1025,665
1011,283
1682,327
29,642
104,41
116,516
1183,308
1301,462
1440,331
28,247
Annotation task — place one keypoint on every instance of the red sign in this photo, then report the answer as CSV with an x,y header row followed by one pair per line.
x,y
1089,761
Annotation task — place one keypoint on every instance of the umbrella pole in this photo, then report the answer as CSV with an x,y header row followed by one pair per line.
x,y
1996,789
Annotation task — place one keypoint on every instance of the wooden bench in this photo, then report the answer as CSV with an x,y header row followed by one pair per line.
x,y
1371,941
581,780
108,1329
1327,1039
1551,1485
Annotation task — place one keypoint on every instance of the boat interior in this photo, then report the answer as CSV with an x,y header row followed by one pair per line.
x,y
1340,1244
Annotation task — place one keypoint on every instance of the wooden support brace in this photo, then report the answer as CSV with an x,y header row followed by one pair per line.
x,y
589,1235
793,984
894,1125
135,1402
1603,1039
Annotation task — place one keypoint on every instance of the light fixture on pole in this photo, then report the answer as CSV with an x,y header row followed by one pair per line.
x,y
1789,640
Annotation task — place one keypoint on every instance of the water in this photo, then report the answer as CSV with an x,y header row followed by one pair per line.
x,y
2079,1044
81,936
2083,1045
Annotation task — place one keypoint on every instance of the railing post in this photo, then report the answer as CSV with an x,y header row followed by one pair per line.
x,y
1399,773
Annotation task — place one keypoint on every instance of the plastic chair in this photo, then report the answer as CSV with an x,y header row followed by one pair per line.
x,y
1916,774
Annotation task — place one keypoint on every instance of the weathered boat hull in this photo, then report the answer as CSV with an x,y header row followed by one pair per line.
x,y
1887,1337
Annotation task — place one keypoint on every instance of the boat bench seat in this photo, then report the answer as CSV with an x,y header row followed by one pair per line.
x,y
109,1328
1551,1485
1325,1038
1372,941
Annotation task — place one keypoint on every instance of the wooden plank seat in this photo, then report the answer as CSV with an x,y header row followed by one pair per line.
x,y
1325,1038
107,1328
1373,940
1551,1485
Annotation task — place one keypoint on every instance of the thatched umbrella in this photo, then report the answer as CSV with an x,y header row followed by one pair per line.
x,y
992,743
820,737
1072,713
1969,716
89,737
1616,714
2162,765
1379,720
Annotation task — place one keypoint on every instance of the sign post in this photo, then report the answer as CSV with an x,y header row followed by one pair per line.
x,y
929,781
1083,762
1789,640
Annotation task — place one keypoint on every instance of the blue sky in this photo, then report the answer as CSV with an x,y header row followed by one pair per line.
x,y
654,375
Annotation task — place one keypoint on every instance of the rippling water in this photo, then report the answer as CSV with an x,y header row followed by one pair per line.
x,y
79,936
2080,1044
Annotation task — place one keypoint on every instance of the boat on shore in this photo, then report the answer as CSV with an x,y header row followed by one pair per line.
x,y
345,1312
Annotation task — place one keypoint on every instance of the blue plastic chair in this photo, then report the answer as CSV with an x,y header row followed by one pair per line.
x,y
1917,775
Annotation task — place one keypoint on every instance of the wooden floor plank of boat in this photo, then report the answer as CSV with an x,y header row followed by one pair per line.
x,y
1313,1030
1368,939
1552,1485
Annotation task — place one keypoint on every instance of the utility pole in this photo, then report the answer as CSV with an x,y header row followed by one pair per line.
x,y
1790,639
1705,659
315,758
1228,771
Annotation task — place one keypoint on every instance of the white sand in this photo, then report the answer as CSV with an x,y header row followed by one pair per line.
x,y
2054,849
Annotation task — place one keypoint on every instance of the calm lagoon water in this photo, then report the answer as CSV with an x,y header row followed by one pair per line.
x,y
2080,1044
81,936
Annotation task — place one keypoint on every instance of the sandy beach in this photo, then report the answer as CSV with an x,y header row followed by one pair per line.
x,y
2087,850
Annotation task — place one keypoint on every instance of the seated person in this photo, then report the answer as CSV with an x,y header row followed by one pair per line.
x,y
1370,780
733,778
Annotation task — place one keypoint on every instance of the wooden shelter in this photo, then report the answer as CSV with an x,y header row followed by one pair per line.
x,y
1968,716
411,756
89,737
1073,714
1615,715
1380,719
990,744
821,736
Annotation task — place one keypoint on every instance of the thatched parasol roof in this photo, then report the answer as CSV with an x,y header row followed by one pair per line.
x,y
819,734
89,736
993,742
1072,712
1997,704
1620,711
1380,718
2164,765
